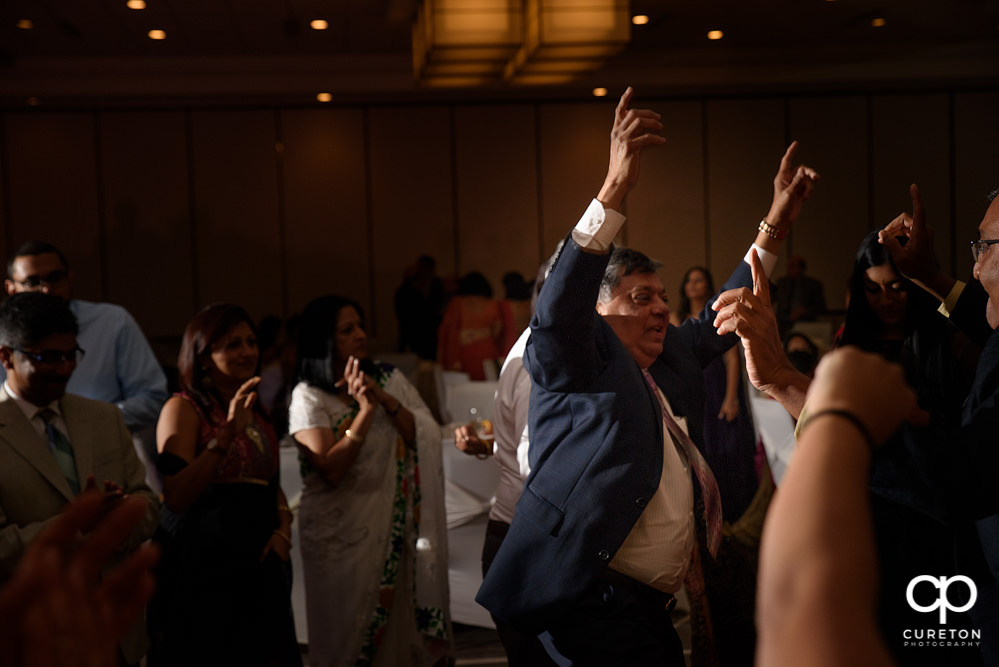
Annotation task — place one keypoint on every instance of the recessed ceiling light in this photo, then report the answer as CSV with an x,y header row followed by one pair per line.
x,y
33,101
640,19
324,97
136,4
319,24
25,24
600,92
715,34
878,22
157,34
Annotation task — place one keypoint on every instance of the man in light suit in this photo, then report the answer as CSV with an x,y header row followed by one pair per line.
x,y
604,531
53,445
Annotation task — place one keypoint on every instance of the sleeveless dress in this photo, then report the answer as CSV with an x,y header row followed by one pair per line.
x,y
217,603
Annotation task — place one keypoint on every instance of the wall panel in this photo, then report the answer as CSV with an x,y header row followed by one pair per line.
x,y
412,202
746,140
54,195
237,216
666,208
911,144
326,210
574,152
144,161
497,192
832,139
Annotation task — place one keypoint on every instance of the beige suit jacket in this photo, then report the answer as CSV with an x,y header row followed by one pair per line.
x,y
33,489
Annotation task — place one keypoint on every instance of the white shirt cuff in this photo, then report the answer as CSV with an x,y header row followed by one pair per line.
x,y
598,227
767,258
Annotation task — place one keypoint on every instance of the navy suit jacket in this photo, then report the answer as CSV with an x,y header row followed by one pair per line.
x,y
596,440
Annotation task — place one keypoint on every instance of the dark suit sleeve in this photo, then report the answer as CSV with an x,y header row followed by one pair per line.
x,y
14,539
700,335
969,313
564,352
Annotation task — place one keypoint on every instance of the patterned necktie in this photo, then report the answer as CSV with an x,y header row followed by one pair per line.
x,y
709,487
61,448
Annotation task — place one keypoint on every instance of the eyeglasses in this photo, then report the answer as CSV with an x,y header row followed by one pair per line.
x,y
978,247
35,282
53,357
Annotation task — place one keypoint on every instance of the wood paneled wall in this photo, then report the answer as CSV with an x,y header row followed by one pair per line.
x,y
166,211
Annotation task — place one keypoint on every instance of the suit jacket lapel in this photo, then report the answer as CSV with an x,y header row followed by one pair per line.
x,y
81,437
17,432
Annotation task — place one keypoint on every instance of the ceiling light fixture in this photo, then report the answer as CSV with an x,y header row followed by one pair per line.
x,y
464,42
600,92
639,19
715,35
878,22
324,97
136,4
25,24
564,39
157,34
318,24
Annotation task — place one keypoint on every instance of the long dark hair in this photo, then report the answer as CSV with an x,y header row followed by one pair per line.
x,y
317,355
203,331
683,311
923,352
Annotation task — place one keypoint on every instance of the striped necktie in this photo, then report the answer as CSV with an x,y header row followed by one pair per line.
x,y
61,449
709,487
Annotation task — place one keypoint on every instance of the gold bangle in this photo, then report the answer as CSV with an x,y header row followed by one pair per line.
x,y
284,508
282,536
773,232
353,438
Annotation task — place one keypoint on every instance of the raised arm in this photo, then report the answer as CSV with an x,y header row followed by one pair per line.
x,y
633,130
819,532
916,259
792,186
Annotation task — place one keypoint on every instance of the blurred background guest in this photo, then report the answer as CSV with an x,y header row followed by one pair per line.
x,y
729,436
373,531
472,330
419,302
225,580
516,308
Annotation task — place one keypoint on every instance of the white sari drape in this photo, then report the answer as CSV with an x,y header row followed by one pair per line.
x,y
374,547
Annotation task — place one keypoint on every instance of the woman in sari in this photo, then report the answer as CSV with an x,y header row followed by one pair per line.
x,y
373,532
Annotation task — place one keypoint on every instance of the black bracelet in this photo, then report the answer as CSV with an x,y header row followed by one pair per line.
x,y
849,416
398,406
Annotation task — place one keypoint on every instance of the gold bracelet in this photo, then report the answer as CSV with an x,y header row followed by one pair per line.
x,y
353,438
282,536
771,231
284,508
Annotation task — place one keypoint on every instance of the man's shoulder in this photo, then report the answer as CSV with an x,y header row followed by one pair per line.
x,y
94,409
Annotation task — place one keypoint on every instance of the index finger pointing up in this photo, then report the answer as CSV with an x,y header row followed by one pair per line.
x,y
761,285
622,105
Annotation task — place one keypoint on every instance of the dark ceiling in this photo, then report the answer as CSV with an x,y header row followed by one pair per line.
x,y
96,52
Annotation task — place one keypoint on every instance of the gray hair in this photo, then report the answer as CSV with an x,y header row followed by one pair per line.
x,y
623,262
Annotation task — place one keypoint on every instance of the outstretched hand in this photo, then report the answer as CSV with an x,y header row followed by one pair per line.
x,y
58,610
633,130
792,186
750,315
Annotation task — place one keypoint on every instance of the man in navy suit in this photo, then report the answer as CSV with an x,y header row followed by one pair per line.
x,y
605,529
